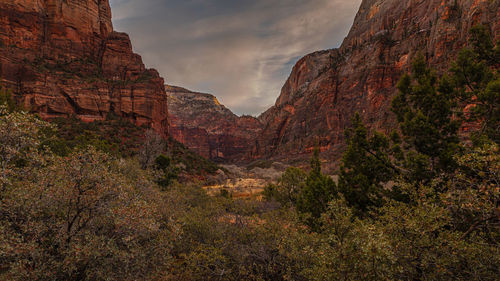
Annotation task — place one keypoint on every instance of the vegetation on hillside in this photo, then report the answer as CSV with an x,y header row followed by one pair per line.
x,y
121,138
78,203
423,202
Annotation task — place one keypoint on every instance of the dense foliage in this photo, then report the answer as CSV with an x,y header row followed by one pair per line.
x,y
121,138
319,189
423,202
365,169
420,204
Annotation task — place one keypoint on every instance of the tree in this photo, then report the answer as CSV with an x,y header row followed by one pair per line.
x,y
448,227
445,235
21,138
319,189
429,112
473,193
425,112
76,218
152,147
366,168
476,78
169,171
349,248
437,235
288,187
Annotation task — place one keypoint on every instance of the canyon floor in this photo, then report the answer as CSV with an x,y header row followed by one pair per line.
x,y
246,182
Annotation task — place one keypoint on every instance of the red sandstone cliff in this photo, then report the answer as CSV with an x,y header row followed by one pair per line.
x,y
326,88
205,126
63,58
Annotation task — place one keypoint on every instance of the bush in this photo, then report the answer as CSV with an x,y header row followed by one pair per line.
x,y
170,173
289,186
8,101
75,217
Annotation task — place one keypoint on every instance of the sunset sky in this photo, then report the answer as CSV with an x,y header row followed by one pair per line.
x,y
242,51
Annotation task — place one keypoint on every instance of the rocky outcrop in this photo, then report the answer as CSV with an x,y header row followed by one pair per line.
x,y
326,88
207,127
63,58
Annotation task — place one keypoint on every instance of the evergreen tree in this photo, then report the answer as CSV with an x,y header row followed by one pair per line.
x,y
170,171
366,168
424,109
319,189
476,78
429,112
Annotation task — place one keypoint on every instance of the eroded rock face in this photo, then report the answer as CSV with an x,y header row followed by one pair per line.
x,y
207,127
326,88
63,58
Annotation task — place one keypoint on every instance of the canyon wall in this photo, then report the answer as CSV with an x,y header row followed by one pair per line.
x,y
207,127
63,58
326,88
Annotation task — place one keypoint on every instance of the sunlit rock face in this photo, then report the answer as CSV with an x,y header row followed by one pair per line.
x,y
205,126
326,88
63,58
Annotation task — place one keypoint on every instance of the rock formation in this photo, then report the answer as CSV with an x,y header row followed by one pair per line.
x,y
326,88
63,58
205,126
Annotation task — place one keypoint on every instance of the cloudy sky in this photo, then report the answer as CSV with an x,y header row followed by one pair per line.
x,y
242,51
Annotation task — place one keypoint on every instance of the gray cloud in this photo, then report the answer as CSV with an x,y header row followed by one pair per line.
x,y
240,50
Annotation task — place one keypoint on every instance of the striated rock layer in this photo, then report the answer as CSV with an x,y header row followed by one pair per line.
x,y
205,126
63,58
326,88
